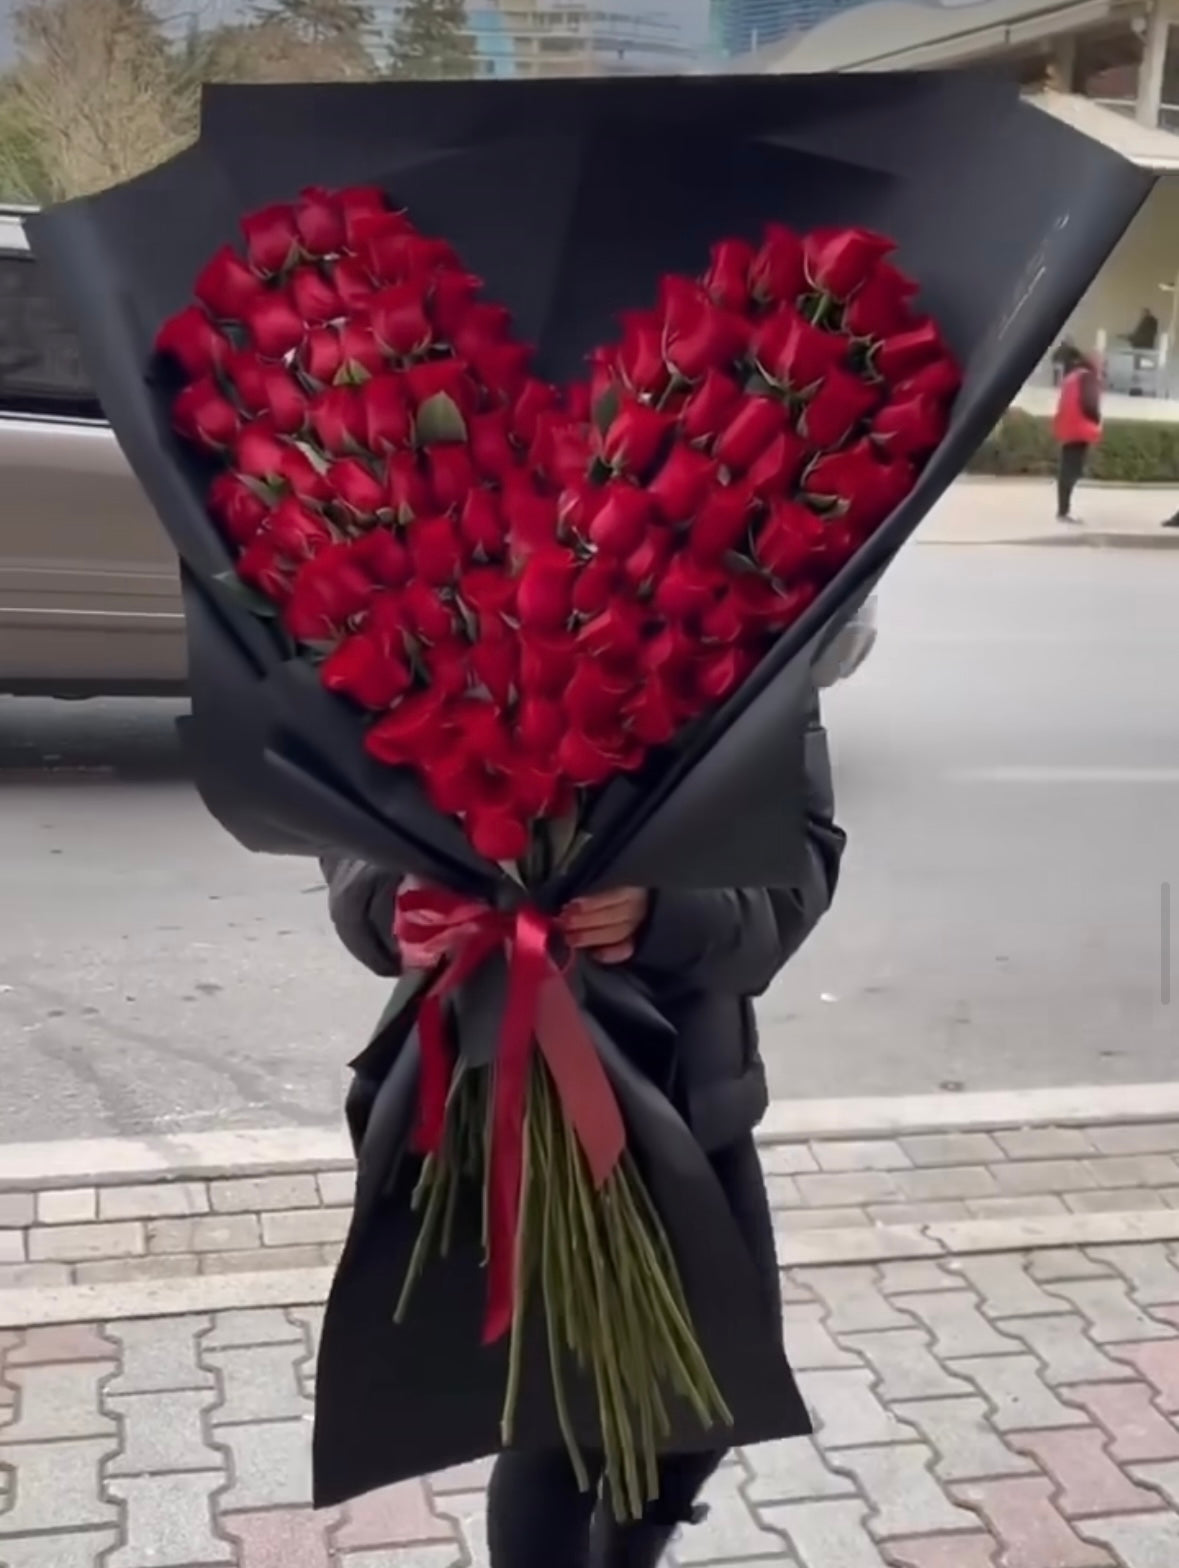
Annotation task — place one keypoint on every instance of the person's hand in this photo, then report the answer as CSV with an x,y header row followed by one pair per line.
x,y
605,924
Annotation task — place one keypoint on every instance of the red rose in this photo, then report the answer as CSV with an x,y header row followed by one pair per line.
x,y
274,325
399,320
579,404
202,415
544,597
774,605
301,476
272,240
447,666
776,470
634,438
577,506
881,306
226,287
757,422
941,378
584,763
191,339
490,443
452,474
426,614
451,297
479,727
708,408
597,584
836,408
534,399
680,486
495,664
687,588
908,352
855,479
622,519
356,487
838,261
481,326
260,454
393,250
239,510
727,280
649,715
725,621
283,399
496,834
411,732
327,592
447,777
561,450
788,538
640,358
539,725
698,335
504,369
531,517
406,487
387,618
435,550
547,660
262,567
362,669
643,566
795,353
777,274
594,697
447,376
718,673
321,355
362,355
337,418
359,206
297,531
383,556
481,524
384,407
721,524
910,426
352,284
314,297
319,223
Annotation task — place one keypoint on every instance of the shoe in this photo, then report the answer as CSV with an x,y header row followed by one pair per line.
x,y
1068,517
1172,522
614,1545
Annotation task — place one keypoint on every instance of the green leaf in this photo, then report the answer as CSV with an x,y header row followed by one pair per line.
x,y
313,455
600,473
245,597
606,409
439,420
760,385
741,564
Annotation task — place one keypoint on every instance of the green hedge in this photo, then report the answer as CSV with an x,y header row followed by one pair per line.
x,y
1132,451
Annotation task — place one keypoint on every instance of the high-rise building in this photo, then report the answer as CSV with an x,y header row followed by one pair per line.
x,y
581,38
741,27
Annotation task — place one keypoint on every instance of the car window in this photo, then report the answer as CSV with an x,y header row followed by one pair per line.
x,y
41,369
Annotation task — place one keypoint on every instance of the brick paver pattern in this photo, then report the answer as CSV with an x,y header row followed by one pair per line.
x,y
1007,1411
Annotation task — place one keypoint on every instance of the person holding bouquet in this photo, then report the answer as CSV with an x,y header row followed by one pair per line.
x,y
703,955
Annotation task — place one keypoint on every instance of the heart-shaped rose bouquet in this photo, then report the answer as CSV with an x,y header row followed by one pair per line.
x,y
528,588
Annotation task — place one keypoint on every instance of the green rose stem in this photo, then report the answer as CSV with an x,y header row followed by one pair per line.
x,y
610,1289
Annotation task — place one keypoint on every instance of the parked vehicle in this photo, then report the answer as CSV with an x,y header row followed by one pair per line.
x,y
89,592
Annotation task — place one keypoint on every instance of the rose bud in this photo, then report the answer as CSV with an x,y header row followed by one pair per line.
x,y
496,835
302,478
794,353
227,288
356,487
399,320
622,519
274,325
898,478
337,419
547,661
491,593
837,408
314,297
202,415
490,444
682,483
434,549
482,325
775,604
261,566
640,358
593,697
725,621
191,339
596,585
634,438
727,280
534,399
907,352
578,403
504,369
327,592
408,494
413,730
426,614
447,376
757,422
382,555
451,297
246,373
272,240
776,470
481,524
790,536
362,355
649,716
452,474
319,223
259,453
386,618
297,531
881,306
718,673
584,763
687,588
354,288
709,407
577,506
478,724
941,378
698,335
561,450
838,261
911,426
389,246
239,510
531,518
539,725
777,275
721,524
358,206
447,666
283,400
447,777
615,635
388,422
321,356
544,595
496,666
643,566
854,478
362,669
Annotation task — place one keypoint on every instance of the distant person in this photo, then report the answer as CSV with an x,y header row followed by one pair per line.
x,y
1146,334
1077,428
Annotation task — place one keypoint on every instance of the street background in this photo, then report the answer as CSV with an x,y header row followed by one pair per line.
x,y
1007,767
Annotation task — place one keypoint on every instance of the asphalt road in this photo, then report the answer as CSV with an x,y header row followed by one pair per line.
x,y
1008,771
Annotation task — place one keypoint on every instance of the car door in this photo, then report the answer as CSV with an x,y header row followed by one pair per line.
x,y
89,593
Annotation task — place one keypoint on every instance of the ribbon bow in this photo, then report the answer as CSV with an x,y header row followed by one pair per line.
x,y
434,927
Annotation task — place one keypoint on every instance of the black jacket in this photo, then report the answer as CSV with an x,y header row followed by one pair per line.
x,y
704,955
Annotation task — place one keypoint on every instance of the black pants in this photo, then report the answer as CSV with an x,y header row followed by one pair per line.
x,y
1069,469
537,1517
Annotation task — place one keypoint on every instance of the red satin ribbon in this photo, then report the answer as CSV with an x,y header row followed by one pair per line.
x,y
437,929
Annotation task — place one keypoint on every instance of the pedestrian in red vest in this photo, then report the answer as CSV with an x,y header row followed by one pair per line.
x,y
1077,428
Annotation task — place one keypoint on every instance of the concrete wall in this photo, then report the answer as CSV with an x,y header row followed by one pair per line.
x,y
1147,256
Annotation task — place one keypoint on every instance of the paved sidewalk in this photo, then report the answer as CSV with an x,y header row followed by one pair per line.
x,y
1007,1411
1022,511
